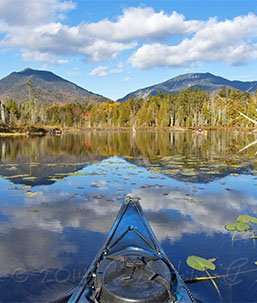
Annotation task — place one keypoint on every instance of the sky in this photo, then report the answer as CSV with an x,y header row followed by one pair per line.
x,y
113,47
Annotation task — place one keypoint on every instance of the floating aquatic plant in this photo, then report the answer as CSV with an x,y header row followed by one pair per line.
x,y
20,188
33,193
242,225
199,263
202,264
26,186
246,219
56,179
30,178
239,226
201,279
16,176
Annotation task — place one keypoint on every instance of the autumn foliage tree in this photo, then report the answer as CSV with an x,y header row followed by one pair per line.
x,y
193,107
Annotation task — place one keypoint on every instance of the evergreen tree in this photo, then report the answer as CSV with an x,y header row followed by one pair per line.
x,y
124,114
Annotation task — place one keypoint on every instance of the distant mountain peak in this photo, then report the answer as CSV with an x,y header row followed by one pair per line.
x,y
28,69
206,81
50,88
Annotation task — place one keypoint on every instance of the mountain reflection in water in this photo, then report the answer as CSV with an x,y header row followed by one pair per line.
x,y
184,156
60,195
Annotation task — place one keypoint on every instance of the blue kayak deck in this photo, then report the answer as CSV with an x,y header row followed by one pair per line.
x,y
132,235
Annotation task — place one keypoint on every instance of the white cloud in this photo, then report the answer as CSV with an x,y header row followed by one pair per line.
x,y
74,72
102,50
127,79
232,42
171,216
143,23
47,42
103,70
62,61
31,12
116,70
44,227
99,71
38,56
207,215
41,36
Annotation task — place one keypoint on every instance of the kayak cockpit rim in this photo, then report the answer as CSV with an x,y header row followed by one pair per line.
x,y
150,246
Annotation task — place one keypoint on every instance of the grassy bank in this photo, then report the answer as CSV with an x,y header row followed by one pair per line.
x,y
33,130
162,129
22,130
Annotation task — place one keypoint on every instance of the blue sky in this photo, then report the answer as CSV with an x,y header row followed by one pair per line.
x,y
115,47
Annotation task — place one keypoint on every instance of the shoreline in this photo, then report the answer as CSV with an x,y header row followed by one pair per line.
x,y
38,130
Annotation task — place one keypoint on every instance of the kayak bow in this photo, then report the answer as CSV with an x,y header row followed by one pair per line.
x,y
131,266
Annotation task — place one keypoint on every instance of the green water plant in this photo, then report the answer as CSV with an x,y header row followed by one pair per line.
x,y
246,219
243,225
201,279
238,226
202,264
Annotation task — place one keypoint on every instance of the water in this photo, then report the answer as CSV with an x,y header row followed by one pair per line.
x,y
60,195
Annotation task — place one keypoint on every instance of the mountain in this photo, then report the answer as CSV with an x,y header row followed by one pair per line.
x,y
204,81
50,88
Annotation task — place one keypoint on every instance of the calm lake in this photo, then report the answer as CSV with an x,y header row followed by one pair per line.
x,y
60,195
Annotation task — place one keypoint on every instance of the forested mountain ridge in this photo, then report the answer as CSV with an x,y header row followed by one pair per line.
x,y
206,81
44,86
192,107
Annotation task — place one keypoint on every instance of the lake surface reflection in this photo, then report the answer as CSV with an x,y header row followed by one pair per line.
x,y
60,195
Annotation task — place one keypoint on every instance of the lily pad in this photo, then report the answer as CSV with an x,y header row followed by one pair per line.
x,y
33,193
246,219
238,226
30,178
17,176
26,187
199,263
56,179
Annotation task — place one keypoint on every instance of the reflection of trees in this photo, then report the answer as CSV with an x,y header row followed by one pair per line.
x,y
249,144
218,150
146,144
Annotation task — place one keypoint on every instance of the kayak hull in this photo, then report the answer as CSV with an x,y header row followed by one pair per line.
x,y
131,266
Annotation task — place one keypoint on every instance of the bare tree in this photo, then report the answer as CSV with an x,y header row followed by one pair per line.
x,y
250,119
2,112
30,85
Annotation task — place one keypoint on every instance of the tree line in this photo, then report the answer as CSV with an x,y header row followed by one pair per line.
x,y
193,107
